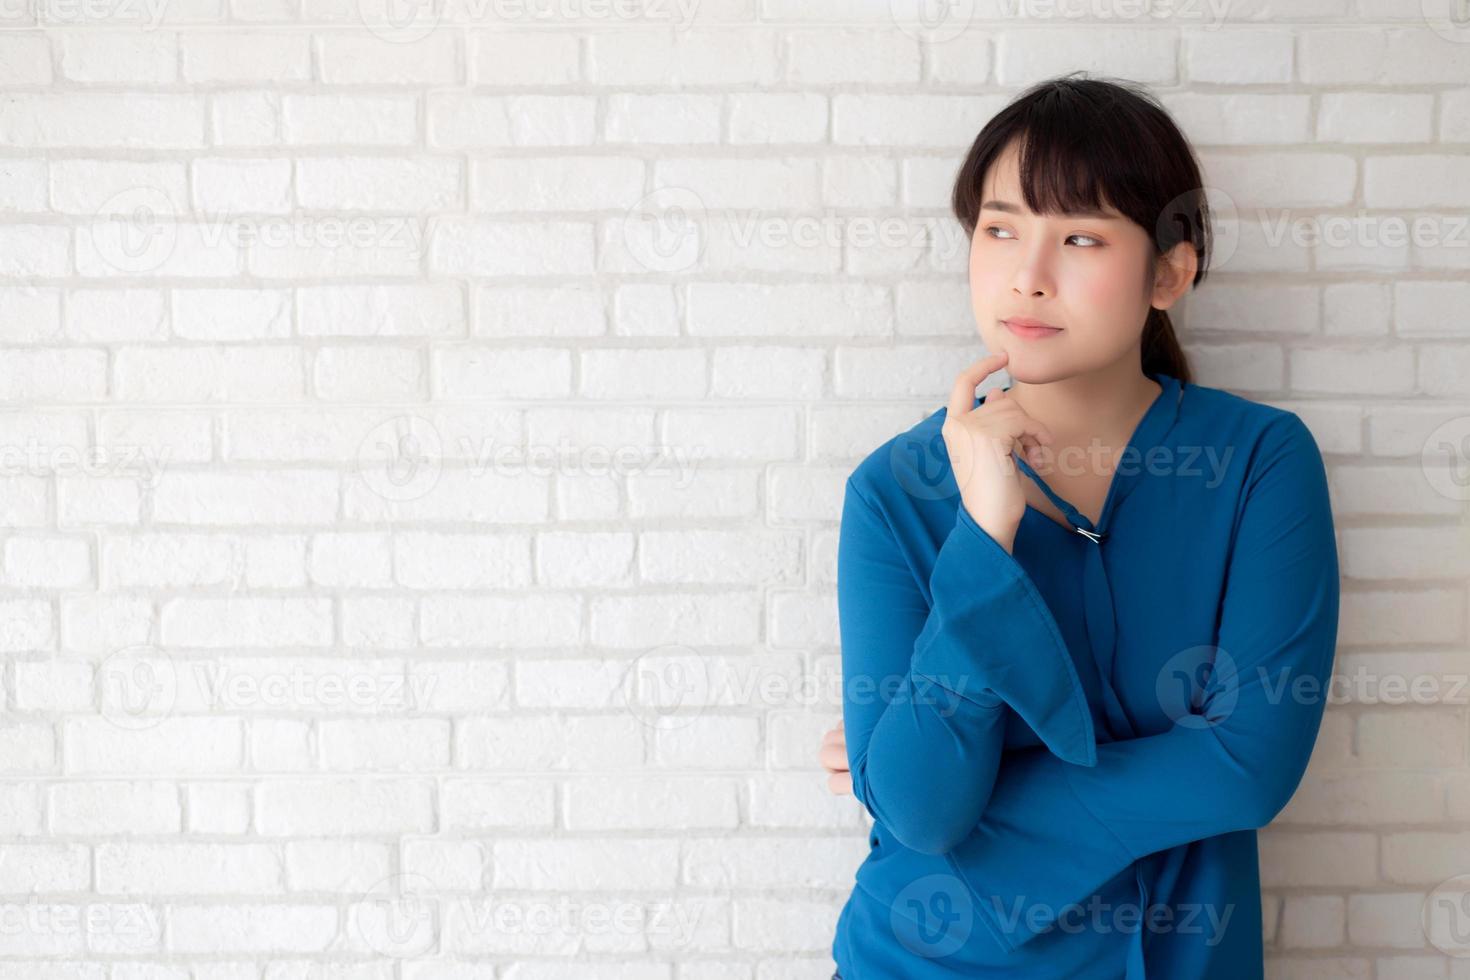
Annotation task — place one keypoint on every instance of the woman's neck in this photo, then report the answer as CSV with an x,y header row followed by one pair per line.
x,y
1103,406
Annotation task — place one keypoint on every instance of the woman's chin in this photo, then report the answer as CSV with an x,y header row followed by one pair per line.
x,y
1029,366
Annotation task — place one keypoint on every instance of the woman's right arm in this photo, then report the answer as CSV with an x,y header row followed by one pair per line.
x,y
925,684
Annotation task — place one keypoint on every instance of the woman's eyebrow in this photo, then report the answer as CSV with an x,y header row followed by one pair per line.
x,y
1010,208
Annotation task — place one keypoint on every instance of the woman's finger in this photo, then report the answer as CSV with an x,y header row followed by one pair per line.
x,y
833,758
962,394
1013,422
1009,422
840,783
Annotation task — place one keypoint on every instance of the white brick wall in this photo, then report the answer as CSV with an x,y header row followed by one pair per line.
x,y
375,470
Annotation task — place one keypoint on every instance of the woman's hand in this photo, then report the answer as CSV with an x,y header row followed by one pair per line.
x,y
981,442
833,756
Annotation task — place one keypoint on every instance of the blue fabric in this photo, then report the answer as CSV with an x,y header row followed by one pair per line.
x,y
1067,750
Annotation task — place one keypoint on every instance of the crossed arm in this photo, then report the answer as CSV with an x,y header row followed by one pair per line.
x,y
931,764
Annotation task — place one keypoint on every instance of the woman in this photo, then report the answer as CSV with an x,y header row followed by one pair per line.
x,y
1087,619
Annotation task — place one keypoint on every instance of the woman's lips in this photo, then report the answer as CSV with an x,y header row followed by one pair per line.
x,y
1030,329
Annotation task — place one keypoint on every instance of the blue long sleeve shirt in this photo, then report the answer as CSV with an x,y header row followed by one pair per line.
x,y
1067,749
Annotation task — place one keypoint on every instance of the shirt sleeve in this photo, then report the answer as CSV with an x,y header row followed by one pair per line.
x,y
926,679
1052,833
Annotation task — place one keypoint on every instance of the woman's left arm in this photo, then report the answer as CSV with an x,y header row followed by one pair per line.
x,y
1053,832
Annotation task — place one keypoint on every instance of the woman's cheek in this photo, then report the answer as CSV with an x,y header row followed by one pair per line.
x,y
1113,297
984,290
1108,287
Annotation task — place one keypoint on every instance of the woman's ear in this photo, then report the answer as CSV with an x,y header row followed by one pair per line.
x,y
1173,275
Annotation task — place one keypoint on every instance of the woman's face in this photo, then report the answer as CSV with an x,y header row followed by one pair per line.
x,y
1085,274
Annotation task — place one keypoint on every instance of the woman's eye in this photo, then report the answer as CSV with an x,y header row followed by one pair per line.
x,y
1095,241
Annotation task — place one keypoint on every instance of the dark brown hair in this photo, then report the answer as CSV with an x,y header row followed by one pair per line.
x,y
1092,143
